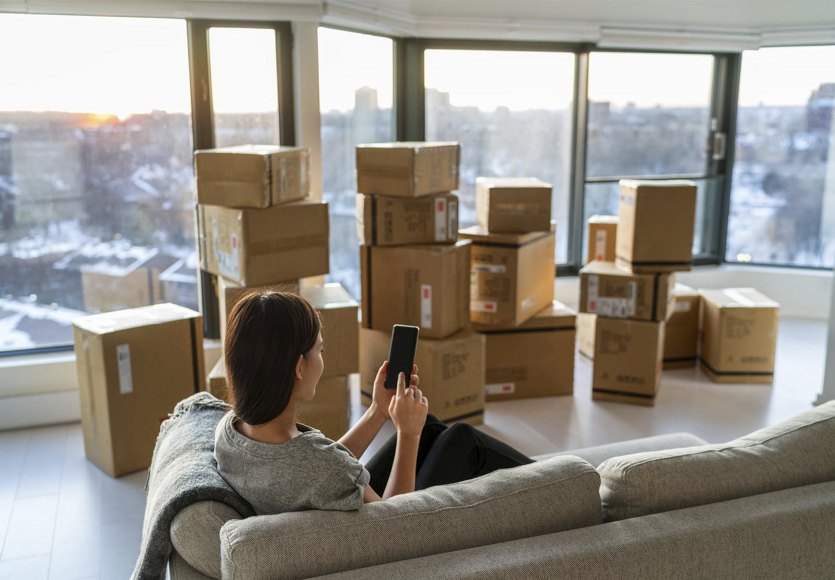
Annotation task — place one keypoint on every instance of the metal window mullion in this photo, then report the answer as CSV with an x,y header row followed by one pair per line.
x,y
579,154
410,102
730,99
284,77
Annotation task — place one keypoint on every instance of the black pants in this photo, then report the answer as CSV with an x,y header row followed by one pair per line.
x,y
447,455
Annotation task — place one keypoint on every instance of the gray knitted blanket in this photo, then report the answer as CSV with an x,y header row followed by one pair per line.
x,y
183,471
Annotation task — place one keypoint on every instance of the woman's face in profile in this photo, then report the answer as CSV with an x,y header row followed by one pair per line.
x,y
313,365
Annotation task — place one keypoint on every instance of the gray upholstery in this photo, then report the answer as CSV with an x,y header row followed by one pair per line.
x,y
796,452
539,498
779,535
179,569
599,454
195,534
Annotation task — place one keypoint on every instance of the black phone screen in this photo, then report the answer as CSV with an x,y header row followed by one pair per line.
x,y
401,353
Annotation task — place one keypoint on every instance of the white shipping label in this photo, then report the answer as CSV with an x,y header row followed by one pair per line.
x,y
484,305
452,219
631,293
228,259
492,268
614,307
591,295
500,388
682,306
599,244
426,305
125,375
440,220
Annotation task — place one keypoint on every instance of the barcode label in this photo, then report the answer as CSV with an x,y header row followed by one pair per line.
x,y
599,244
426,305
491,268
440,220
500,388
591,298
452,219
484,305
125,374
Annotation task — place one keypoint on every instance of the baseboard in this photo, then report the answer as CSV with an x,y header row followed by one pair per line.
x,y
40,409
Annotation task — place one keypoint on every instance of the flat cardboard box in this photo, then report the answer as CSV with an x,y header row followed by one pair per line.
x,y
655,225
216,381
585,334
408,169
627,360
256,176
330,408
425,286
451,372
513,204
133,367
395,221
254,247
739,335
535,359
601,238
338,312
511,275
681,335
228,294
609,291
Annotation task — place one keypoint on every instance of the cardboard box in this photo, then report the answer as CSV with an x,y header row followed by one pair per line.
x,y
329,410
608,291
681,334
601,238
216,381
451,372
228,294
627,360
655,225
133,367
511,275
513,204
262,246
394,221
252,175
338,312
425,286
585,334
739,335
407,169
535,359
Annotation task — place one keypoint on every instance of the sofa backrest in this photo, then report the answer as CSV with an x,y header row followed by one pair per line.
x,y
195,534
539,498
799,451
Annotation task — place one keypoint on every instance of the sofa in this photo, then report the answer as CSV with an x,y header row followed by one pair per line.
x,y
673,506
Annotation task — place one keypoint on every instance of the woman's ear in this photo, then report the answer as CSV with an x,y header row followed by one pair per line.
x,y
300,367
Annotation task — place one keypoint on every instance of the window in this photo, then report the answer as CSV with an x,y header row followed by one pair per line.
x,y
244,86
783,188
96,208
649,116
355,90
512,113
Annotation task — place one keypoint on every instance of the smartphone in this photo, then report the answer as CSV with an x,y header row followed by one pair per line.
x,y
401,353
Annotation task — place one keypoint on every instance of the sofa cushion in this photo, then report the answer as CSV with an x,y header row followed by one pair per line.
x,y
798,451
540,498
195,534
600,453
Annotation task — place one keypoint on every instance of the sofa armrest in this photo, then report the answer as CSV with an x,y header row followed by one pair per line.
x,y
600,453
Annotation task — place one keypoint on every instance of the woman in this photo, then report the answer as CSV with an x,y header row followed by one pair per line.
x,y
273,356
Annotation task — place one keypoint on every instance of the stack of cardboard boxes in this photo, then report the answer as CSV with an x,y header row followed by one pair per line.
x,y
415,271
258,228
529,337
633,297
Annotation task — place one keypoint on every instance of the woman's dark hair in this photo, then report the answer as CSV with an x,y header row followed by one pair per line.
x,y
265,334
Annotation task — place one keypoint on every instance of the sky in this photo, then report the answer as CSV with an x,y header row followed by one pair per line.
x,y
125,65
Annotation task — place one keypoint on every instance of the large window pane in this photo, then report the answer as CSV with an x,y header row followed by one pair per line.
x,y
96,208
244,86
783,187
648,114
512,113
355,95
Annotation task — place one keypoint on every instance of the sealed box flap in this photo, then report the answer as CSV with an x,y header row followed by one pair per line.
x,y
556,316
393,156
684,290
739,298
603,219
480,236
607,269
134,318
489,183
656,184
331,295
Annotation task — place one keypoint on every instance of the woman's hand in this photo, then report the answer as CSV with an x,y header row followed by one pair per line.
x,y
381,396
408,409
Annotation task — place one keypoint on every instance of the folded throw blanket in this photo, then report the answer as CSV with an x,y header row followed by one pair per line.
x,y
183,471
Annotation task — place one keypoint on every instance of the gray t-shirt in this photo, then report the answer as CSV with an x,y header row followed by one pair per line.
x,y
306,473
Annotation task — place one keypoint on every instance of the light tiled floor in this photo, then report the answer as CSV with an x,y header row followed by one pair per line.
x,y
62,518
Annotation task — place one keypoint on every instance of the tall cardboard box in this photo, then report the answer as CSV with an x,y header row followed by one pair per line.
x,y
609,291
739,335
262,246
395,221
655,225
228,294
216,381
252,175
451,372
338,312
425,286
627,360
330,408
407,169
133,367
511,275
681,334
513,204
535,359
585,334
601,237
